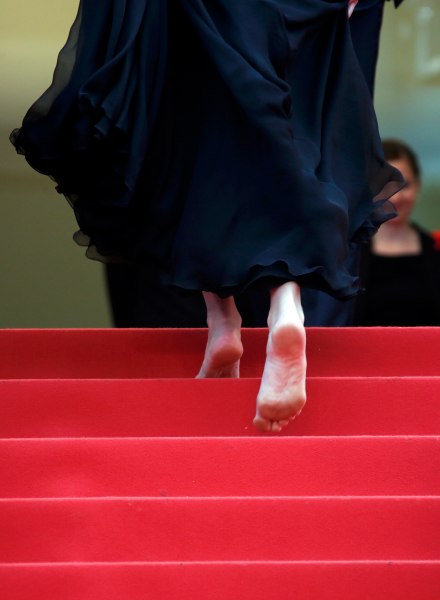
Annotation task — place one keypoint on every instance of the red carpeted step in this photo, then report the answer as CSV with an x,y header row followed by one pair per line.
x,y
175,495
225,529
390,580
146,408
220,467
156,353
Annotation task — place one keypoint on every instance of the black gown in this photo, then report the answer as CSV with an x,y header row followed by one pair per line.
x,y
230,143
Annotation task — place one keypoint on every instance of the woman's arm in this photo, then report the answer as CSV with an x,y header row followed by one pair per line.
x,y
351,7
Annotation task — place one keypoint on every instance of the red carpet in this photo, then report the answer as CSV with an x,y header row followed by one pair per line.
x,y
122,478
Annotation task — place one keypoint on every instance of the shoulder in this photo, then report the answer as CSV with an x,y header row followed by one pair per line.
x,y
435,235
428,238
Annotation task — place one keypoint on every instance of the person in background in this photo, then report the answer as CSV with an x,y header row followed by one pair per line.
x,y
400,268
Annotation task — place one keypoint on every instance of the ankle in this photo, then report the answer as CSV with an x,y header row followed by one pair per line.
x,y
221,312
222,323
285,305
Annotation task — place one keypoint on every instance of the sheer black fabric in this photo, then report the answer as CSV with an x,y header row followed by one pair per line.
x,y
231,143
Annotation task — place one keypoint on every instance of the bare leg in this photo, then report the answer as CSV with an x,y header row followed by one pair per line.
x,y
282,392
224,347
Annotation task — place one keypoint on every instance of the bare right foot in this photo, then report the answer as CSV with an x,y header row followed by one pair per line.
x,y
282,392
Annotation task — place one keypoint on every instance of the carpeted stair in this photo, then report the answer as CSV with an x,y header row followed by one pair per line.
x,y
123,478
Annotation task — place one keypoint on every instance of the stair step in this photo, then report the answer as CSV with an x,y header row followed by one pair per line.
x,y
214,407
167,467
222,529
109,353
393,580
123,477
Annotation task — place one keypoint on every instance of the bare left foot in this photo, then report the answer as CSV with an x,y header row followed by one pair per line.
x,y
223,353
224,347
282,392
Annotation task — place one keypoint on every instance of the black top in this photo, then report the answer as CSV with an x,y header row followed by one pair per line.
x,y
401,291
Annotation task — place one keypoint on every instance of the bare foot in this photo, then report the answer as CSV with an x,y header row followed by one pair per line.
x,y
224,348
282,392
223,353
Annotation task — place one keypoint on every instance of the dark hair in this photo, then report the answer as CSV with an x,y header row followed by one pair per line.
x,y
397,150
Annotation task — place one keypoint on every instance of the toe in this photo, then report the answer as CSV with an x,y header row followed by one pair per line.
x,y
276,427
262,424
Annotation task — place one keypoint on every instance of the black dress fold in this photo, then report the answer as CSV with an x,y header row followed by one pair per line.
x,y
231,143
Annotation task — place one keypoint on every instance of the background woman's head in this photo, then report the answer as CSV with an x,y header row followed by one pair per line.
x,y
403,157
